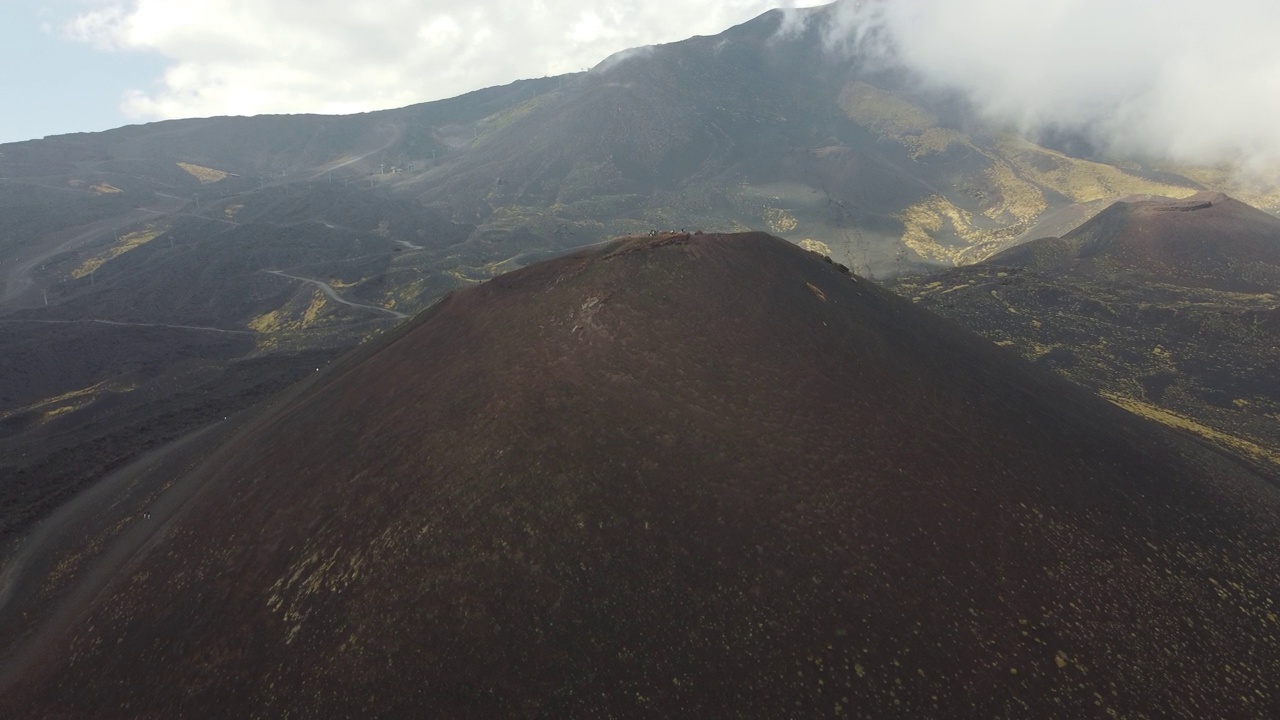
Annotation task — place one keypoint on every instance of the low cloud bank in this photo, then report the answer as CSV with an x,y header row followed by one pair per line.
x,y
1179,80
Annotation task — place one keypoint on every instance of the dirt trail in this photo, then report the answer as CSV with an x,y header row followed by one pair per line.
x,y
134,324
52,575
332,294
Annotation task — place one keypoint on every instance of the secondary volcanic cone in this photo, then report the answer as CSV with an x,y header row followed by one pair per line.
x,y
698,475
1205,241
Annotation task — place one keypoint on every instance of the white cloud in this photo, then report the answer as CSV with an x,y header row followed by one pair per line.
x,y
1175,78
257,56
1180,79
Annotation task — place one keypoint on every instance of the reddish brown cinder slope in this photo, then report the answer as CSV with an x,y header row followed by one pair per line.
x,y
697,476
1205,241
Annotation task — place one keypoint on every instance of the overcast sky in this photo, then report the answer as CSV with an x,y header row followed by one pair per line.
x,y
71,65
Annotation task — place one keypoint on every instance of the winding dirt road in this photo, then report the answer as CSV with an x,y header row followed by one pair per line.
x,y
202,328
332,294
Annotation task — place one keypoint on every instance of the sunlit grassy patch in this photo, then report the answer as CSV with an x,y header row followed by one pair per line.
x,y
1172,419
65,409
779,220
891,116
815,246
281,320
127,242
52,407
1080,180
287,325
203,174
925,220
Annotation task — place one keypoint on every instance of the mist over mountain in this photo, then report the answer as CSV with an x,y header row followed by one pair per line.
x,y
1166,82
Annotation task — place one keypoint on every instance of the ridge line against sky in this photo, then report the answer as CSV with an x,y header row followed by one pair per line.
x,y
89,65
1158,78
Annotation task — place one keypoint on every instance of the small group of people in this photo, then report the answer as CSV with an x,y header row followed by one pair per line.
x,y
681,231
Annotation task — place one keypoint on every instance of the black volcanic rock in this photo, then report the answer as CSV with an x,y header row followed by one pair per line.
x,y
689,475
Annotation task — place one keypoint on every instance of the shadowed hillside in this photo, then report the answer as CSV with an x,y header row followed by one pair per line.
x,y
685,475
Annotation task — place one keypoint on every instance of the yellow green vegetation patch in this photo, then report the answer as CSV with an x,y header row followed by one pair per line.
x,y
924,220
779,220
63,410
1080,180
126,243
51,407
67,396
204,174
1019,171
1172,419
891,116
267,322
293,318
815,246
1021,201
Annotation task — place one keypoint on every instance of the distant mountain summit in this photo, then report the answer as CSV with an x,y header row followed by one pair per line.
x,y
1207,241
687,475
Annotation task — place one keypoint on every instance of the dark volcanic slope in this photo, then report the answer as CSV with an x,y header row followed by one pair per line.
x,y
1207,241
698,476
